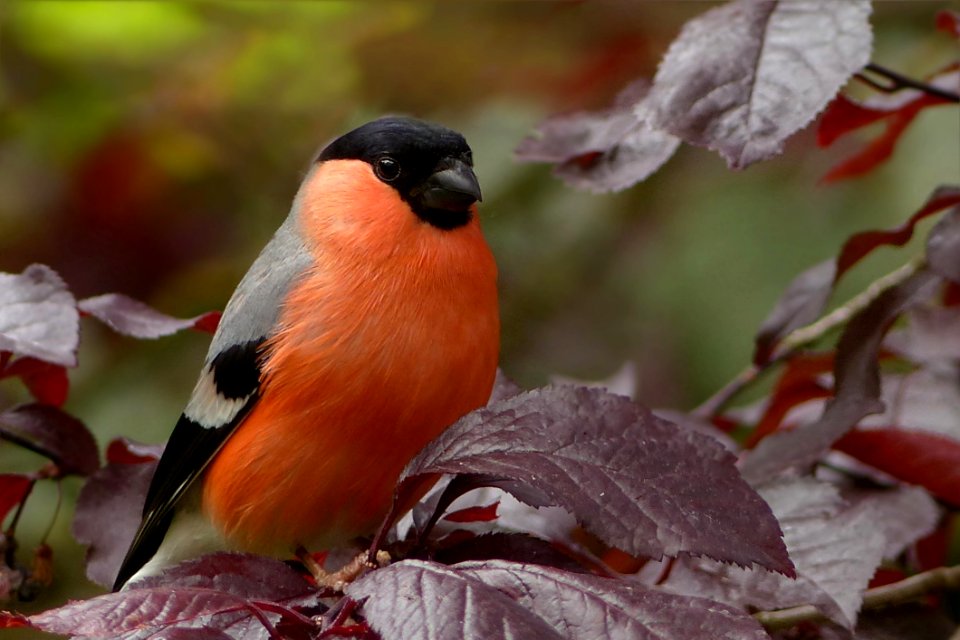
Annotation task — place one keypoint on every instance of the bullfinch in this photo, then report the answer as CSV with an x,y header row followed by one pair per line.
x,y
367,325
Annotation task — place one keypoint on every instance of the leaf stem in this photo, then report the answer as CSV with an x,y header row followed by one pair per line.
x,y
56,512
898,82
876,598
802,336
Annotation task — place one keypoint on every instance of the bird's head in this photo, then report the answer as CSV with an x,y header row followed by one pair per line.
x,y
429,166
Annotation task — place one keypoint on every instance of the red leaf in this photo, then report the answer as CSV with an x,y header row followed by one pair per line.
x,y
930,460
38,316
860,244
949,22
898,109
474,514
133,318
878,150
13,620
844,115
13,489
53,433
807,295
126,451
47,382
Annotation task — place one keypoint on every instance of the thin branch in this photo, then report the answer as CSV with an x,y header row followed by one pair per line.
x,y
889,594
802,336
897,82
842,314
713,405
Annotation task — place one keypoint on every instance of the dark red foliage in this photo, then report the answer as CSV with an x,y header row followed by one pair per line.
x,y
474,514
930,460
949,22
800,382
862,244
47,382
218,593
857,385
53,434
807,295
14,487
596,454
899,110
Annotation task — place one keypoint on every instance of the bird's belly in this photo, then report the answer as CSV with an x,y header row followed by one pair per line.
x,y
316,460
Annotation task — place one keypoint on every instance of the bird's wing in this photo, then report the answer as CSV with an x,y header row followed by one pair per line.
x,y
228,387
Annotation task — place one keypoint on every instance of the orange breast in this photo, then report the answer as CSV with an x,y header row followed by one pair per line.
x,y
389,339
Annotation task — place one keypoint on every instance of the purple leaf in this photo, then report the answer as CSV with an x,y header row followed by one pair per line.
x,y
566,137
139,614
210,594
238,574
634,158
638,482
586,606
38,316
743,77
602,151
113,495
857,385
943,246
414,599
800,304
133,318
835,544
54,434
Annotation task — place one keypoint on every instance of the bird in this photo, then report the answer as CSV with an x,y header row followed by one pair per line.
x,y
367,325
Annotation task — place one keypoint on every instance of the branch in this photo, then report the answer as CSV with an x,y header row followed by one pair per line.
x,y
802,336
876,598
898,82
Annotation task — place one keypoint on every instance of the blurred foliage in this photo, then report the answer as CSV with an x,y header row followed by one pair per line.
x,y
151,148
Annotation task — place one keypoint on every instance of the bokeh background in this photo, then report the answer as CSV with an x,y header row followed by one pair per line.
x,y
151,148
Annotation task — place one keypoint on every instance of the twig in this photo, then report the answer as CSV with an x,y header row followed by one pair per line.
x,y
713,405
876,598
897,82
842,314
802,336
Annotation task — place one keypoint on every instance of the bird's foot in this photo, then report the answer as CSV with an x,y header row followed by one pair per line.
x,y
339,579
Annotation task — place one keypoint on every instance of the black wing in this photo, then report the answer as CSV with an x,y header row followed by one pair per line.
x,y
228,389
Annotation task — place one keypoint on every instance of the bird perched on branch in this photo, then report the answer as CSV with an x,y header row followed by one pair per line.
x,y
367,325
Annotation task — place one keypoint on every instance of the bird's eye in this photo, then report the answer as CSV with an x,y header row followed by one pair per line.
x,y
386,168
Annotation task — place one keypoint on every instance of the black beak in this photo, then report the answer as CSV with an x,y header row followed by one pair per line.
x,y
453,187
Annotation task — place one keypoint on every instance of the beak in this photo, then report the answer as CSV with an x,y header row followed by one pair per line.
x,y
453,187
